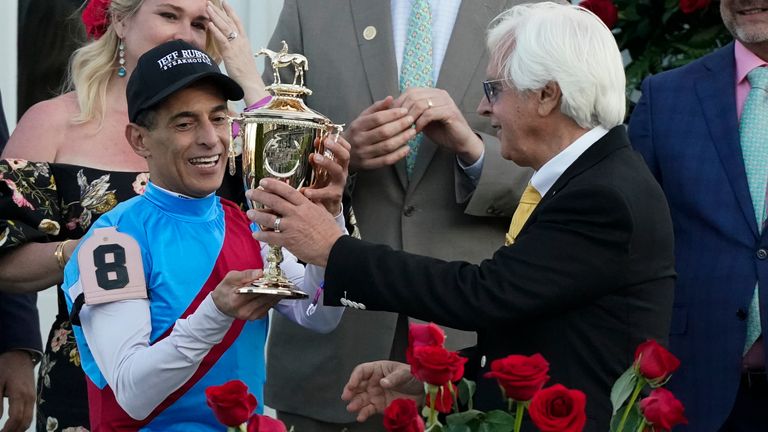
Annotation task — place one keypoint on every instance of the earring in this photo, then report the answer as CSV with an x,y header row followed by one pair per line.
x,y
121,72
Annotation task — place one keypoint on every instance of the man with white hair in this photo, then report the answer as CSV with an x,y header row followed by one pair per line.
x,y
586,273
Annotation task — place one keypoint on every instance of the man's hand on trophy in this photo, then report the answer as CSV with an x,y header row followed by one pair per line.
x,y
332,174
306,228
230,39
373,386
379,136
245,307
441,120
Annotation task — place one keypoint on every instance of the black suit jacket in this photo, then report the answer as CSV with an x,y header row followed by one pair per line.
x,y
19,322
589,278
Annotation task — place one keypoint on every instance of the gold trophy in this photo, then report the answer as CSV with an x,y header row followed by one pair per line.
x,y
277,140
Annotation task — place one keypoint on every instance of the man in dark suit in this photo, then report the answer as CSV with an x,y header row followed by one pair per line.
x,y
686,125
586,277
438,210
20,344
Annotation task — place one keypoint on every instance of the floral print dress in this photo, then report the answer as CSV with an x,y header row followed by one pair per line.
x,y
47,202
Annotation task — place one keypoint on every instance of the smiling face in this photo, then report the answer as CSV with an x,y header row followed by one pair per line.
x,y
158,21
747,20
185,146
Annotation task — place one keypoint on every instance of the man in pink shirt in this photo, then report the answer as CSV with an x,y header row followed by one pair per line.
x,y
703,130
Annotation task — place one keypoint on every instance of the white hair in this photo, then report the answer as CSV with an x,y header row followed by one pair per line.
x,y
534,44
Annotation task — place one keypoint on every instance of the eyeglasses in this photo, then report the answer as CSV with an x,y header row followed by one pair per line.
x,y
492,89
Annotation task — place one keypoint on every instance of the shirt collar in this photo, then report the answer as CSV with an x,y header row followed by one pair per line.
x,y
182,206
746,60
547,175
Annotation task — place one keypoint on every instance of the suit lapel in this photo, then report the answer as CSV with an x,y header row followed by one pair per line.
x,y
717,84
378,55
614,140
471,25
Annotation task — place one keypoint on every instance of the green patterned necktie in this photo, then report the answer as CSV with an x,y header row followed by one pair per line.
x,y
416,68
754,146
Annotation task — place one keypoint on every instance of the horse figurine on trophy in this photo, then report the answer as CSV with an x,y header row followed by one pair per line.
x,y
282,58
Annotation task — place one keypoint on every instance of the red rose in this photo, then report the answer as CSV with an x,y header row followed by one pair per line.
x,y
654,362
662,409
423,335
231,403
261,423
403,416
444,399
96,18
520,376
604,9
436,365
690,6
558,409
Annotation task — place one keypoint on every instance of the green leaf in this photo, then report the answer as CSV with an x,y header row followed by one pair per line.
x,y
464,417
437,427
633,421
622,388
499,421
456,428
466,392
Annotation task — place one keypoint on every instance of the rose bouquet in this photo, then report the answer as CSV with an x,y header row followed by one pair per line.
x,y
660,411
520,378
233,404
658,35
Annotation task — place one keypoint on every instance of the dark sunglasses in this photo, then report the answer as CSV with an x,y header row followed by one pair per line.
x,y
492,89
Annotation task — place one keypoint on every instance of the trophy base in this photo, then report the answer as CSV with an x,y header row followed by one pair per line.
x,y
273,287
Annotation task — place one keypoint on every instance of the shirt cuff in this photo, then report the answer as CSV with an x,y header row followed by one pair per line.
x,y
473,171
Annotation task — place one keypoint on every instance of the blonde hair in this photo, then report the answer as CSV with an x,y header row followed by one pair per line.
x,y
95,63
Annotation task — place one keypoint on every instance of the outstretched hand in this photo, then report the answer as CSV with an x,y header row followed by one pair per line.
x,y
242,306
373,386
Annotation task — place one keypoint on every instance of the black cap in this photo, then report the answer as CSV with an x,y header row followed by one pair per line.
x,y
168,68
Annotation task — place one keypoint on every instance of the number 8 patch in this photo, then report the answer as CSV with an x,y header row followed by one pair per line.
x,y
110,267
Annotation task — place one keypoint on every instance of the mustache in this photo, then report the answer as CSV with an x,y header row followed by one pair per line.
x,y
750,4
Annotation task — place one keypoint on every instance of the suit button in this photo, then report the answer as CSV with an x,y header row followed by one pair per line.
x,y
408,211
741,314
483,359
762,254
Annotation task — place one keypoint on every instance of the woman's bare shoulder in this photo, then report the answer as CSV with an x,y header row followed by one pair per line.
x,y
43,129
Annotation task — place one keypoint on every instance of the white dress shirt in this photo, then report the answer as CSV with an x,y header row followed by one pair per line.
x,y
547,175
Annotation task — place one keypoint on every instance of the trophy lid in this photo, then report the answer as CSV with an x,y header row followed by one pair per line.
x,y
287,102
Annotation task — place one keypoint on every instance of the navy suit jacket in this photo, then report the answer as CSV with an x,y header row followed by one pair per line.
x,y
686,127
19,322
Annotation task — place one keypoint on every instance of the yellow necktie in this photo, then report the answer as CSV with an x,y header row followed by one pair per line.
x,y
528,202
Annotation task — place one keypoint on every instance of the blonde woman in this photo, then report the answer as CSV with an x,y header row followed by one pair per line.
x,y
68,162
